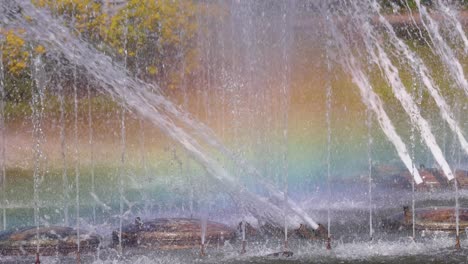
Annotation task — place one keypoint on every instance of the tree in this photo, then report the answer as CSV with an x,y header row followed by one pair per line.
x,y
15,53
155,38
86,16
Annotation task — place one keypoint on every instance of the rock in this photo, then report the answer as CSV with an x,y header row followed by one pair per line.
x,y
462,178
304,232
52,240
429,218
321,232
433,179
172,233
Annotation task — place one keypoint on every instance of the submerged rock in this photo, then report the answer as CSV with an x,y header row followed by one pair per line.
x,y
172,233
52,240
429,218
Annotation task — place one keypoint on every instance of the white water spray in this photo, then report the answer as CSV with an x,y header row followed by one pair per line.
x,y
123,143
369,158
328,107
369,97
77,159
91,148
3,141
37,107
116,81
420,69
381,59
285,86
63,153
450,16
444,51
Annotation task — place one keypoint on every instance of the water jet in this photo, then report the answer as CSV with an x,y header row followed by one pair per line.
x,y
175,112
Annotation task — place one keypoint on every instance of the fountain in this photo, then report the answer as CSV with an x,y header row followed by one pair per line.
x,y
232,131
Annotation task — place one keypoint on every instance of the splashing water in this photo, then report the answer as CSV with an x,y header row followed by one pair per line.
x,y
37,107
115,80
369,158
444,51
420,68
3,140
369,97
342,50
63,150
450,15
392,76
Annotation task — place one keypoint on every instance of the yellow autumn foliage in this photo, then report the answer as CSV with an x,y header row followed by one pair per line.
x,y
157,35
14,51
85,16
157,38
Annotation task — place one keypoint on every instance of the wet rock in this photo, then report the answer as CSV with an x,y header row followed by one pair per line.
x,y
304,232
172,233
321,232
433,179
429,218
52,240
462,178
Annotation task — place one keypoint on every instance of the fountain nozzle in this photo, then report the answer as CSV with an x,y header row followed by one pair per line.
x,y
244,245
407,215
329,243
78,259
202,250
457,242
38,261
